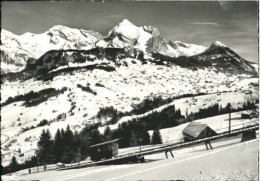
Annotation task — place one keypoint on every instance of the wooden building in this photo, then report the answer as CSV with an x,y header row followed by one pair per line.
x,y
104,150
196,130
245,116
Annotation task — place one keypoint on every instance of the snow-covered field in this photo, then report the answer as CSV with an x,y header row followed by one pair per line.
x,y
128,85
217,123
193,104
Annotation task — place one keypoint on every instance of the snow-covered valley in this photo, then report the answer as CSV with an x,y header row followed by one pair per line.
x,y
122,88
65,80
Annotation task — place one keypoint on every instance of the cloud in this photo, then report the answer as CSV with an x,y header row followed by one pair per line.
x,y
210,24
204,23
114,16
225,5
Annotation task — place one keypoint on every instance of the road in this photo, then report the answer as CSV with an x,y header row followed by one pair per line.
x,y
231,161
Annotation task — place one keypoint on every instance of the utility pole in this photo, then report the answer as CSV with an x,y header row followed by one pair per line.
x,y
140,149
79,155
229,120
140,146
38,164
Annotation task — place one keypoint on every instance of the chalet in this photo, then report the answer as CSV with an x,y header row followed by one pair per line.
x,y
197,130
104,150
245,116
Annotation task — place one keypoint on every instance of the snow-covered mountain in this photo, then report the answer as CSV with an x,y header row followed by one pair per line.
x,y
16,50
147,39
220,55
217,57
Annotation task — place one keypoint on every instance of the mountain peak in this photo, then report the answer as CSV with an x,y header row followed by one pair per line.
x,y
5,33
218,44
125,25
126,22
126,31
60,28
57,27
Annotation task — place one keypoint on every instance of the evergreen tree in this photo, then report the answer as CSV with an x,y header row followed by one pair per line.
x,y
44,146
97,153
107,134
146,138
140,55
228,107
49,145
76,139
14,164
95,137
133,139
84,136
69,148
156,137
220,109
58,148
68,137
124,133
62,133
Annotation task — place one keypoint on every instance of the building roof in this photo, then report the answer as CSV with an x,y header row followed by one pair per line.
x,y
105,143
194,129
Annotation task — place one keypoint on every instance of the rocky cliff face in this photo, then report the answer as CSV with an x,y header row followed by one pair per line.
x,y
221,55
146,39
157,43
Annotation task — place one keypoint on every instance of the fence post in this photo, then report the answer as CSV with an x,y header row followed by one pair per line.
x,y
37,164
229,127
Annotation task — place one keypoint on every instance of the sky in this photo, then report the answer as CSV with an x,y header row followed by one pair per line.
x,y
235,23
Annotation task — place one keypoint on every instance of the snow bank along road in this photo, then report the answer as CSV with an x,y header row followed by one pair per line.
x,y
231,161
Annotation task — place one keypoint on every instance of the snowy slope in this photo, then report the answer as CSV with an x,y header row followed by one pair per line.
x,y
185,49
221,125
256,66
219,53
127,84
193,104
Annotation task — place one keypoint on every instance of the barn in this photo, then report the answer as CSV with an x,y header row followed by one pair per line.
x,y
104,150
196,130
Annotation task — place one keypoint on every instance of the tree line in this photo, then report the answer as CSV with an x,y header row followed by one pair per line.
x,y
68,147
